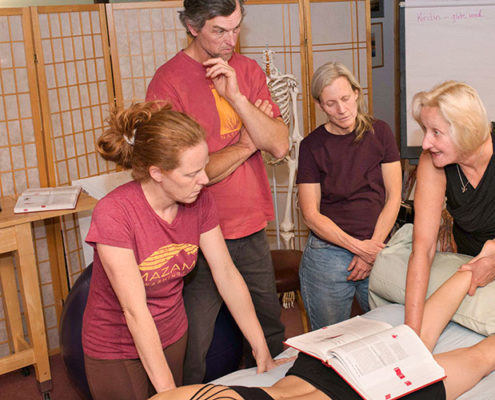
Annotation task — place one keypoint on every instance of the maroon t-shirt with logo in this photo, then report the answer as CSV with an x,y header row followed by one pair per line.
x,y
350,175
164,252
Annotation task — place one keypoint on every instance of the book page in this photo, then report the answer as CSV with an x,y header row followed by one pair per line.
x,y
34,201
389,363
320,343
41,199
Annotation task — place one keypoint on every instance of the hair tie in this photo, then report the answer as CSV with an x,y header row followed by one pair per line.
x,y
131,140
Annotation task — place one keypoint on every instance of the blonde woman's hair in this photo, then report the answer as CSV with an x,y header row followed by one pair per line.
x,y
148,134
325,75
460,105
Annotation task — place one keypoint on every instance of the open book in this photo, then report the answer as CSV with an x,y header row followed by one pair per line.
x,y
44,199
378,361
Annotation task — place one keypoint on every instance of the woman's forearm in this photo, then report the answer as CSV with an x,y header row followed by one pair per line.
x,y
386,220
326,229
392,180
418,275
150,351
429,198
123,273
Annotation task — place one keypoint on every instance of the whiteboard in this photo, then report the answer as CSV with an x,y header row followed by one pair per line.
x,y
444,40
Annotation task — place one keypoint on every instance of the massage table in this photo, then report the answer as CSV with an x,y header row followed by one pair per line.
x,y
454,336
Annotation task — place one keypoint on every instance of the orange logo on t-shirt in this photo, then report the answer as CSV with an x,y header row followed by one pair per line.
x,y
230,123
167,262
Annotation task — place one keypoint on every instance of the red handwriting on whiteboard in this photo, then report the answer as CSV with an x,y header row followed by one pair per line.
x,y
424,17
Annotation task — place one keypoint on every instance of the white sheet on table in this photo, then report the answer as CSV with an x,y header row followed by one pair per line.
x,y
454,336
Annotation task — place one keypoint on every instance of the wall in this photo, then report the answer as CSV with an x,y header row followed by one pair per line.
x,y
73,84
26,3
383,78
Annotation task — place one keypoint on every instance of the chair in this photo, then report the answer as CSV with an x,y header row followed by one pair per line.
x,y
286,268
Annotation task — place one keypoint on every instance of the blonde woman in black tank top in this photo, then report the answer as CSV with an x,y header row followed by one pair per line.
x,y
457,163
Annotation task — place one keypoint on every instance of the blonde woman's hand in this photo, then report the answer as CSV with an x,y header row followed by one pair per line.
x,y
482,266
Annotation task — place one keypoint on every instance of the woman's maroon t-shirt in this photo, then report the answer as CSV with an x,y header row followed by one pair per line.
x,y
350,175
164,253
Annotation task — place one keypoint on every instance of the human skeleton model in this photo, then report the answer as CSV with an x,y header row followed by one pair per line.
x,y
283,89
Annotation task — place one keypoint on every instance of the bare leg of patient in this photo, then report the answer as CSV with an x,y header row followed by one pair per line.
x,y
464,367
441,306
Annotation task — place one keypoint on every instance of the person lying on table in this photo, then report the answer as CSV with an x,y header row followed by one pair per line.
x,y
310,379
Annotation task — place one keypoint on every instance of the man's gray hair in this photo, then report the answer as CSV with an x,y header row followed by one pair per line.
x,y
197,12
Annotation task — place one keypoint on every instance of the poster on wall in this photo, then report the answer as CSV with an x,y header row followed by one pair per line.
x,y
377,45
376,7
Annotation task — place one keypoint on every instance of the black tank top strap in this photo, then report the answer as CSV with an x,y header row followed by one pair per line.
x,y
208,392
219,392
251,393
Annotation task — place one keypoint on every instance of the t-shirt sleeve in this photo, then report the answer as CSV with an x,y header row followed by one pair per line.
x,y
110,226
307,170
391,152
160,89
208,212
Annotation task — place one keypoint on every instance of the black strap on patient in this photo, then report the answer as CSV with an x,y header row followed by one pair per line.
x,y
208,392
251,393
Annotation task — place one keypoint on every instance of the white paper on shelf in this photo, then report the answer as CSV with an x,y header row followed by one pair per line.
x,y
97,187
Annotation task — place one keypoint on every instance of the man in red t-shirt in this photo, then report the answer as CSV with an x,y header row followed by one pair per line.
x,y
227,94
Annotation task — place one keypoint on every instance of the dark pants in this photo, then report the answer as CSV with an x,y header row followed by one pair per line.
x,y
127,379
251,256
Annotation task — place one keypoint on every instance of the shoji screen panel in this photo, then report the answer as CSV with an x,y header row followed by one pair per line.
x,y
22,162
76,86
143,36
278,26
76,89
338,32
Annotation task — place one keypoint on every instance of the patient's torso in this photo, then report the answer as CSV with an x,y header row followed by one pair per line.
x,y
287,388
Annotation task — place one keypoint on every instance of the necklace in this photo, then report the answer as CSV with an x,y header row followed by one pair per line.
x,y
464,186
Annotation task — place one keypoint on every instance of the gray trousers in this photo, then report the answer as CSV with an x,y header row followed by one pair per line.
x,y
251,256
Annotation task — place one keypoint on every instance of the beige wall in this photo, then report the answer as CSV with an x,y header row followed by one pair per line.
x,y
26,3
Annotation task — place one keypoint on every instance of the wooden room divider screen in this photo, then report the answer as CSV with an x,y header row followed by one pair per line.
x,y
63,67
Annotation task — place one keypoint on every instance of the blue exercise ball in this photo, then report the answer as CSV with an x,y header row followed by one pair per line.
x,y
70,333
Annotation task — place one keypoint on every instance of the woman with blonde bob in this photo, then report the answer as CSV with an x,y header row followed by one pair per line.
x,y
457,163
349,182
146,235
